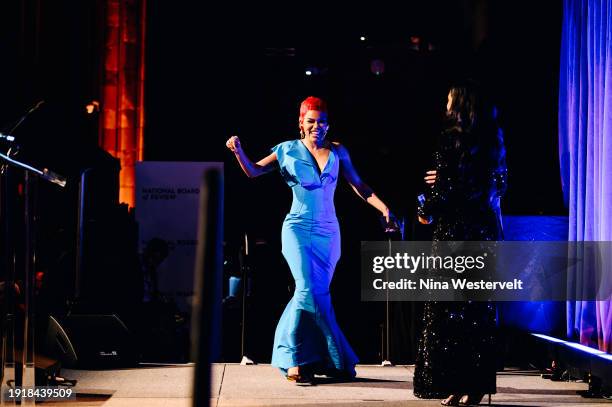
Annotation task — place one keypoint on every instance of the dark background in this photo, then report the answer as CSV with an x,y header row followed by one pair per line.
x,y
214,73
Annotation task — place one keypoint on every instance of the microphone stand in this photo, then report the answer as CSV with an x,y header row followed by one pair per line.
x,y
398,227
17,366
245,272
8,137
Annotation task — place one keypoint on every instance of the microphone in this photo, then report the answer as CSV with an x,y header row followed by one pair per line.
x,y
7,136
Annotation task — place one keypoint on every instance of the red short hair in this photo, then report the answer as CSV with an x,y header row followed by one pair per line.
x,y
312,103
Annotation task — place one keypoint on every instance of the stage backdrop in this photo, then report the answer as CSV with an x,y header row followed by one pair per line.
x,y
585,146
167,199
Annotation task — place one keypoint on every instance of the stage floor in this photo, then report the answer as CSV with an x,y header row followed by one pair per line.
x,y
262,385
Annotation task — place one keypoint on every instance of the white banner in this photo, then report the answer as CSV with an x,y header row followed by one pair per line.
x,y
167,199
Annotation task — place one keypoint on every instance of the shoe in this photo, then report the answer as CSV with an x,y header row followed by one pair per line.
x,y
473,399
452,400
302,378
336,374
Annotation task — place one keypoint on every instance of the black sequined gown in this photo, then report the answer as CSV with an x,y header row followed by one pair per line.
x,y
456,351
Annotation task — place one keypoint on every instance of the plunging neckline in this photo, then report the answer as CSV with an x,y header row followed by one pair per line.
x,y
314,159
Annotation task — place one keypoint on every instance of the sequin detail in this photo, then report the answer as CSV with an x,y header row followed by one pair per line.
x,y
457,349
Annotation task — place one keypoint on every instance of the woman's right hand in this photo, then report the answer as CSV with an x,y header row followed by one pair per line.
x,y
233,143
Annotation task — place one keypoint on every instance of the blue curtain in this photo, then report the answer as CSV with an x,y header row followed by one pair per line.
x,y
585,147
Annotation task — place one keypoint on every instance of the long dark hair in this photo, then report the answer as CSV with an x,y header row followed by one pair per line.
x,y
472,128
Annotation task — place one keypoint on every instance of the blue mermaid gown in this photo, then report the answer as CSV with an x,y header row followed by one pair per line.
x,y
307,332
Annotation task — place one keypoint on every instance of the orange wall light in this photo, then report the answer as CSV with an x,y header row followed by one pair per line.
x,y
122,132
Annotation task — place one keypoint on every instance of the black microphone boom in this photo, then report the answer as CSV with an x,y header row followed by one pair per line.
x,y
8,136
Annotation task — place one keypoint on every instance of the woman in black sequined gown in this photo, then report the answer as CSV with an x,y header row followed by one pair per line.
x,y
456,352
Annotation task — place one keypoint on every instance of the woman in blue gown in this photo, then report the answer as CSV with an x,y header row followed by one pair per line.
x,y
308,339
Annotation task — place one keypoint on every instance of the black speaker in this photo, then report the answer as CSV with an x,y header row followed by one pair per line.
x,y
57,344
98,341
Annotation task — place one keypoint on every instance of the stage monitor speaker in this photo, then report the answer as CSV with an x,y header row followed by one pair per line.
x,y
57,344
99,342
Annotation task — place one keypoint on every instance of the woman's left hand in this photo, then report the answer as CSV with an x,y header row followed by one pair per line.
x,y
430,177
386,213
391,224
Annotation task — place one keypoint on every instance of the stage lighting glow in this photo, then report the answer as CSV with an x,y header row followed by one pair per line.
x,y
583,348
93,106
415,43
606,356
549,338
312,70
362,38
377,67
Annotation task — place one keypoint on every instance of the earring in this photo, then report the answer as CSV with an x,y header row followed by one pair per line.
x,y
302,134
